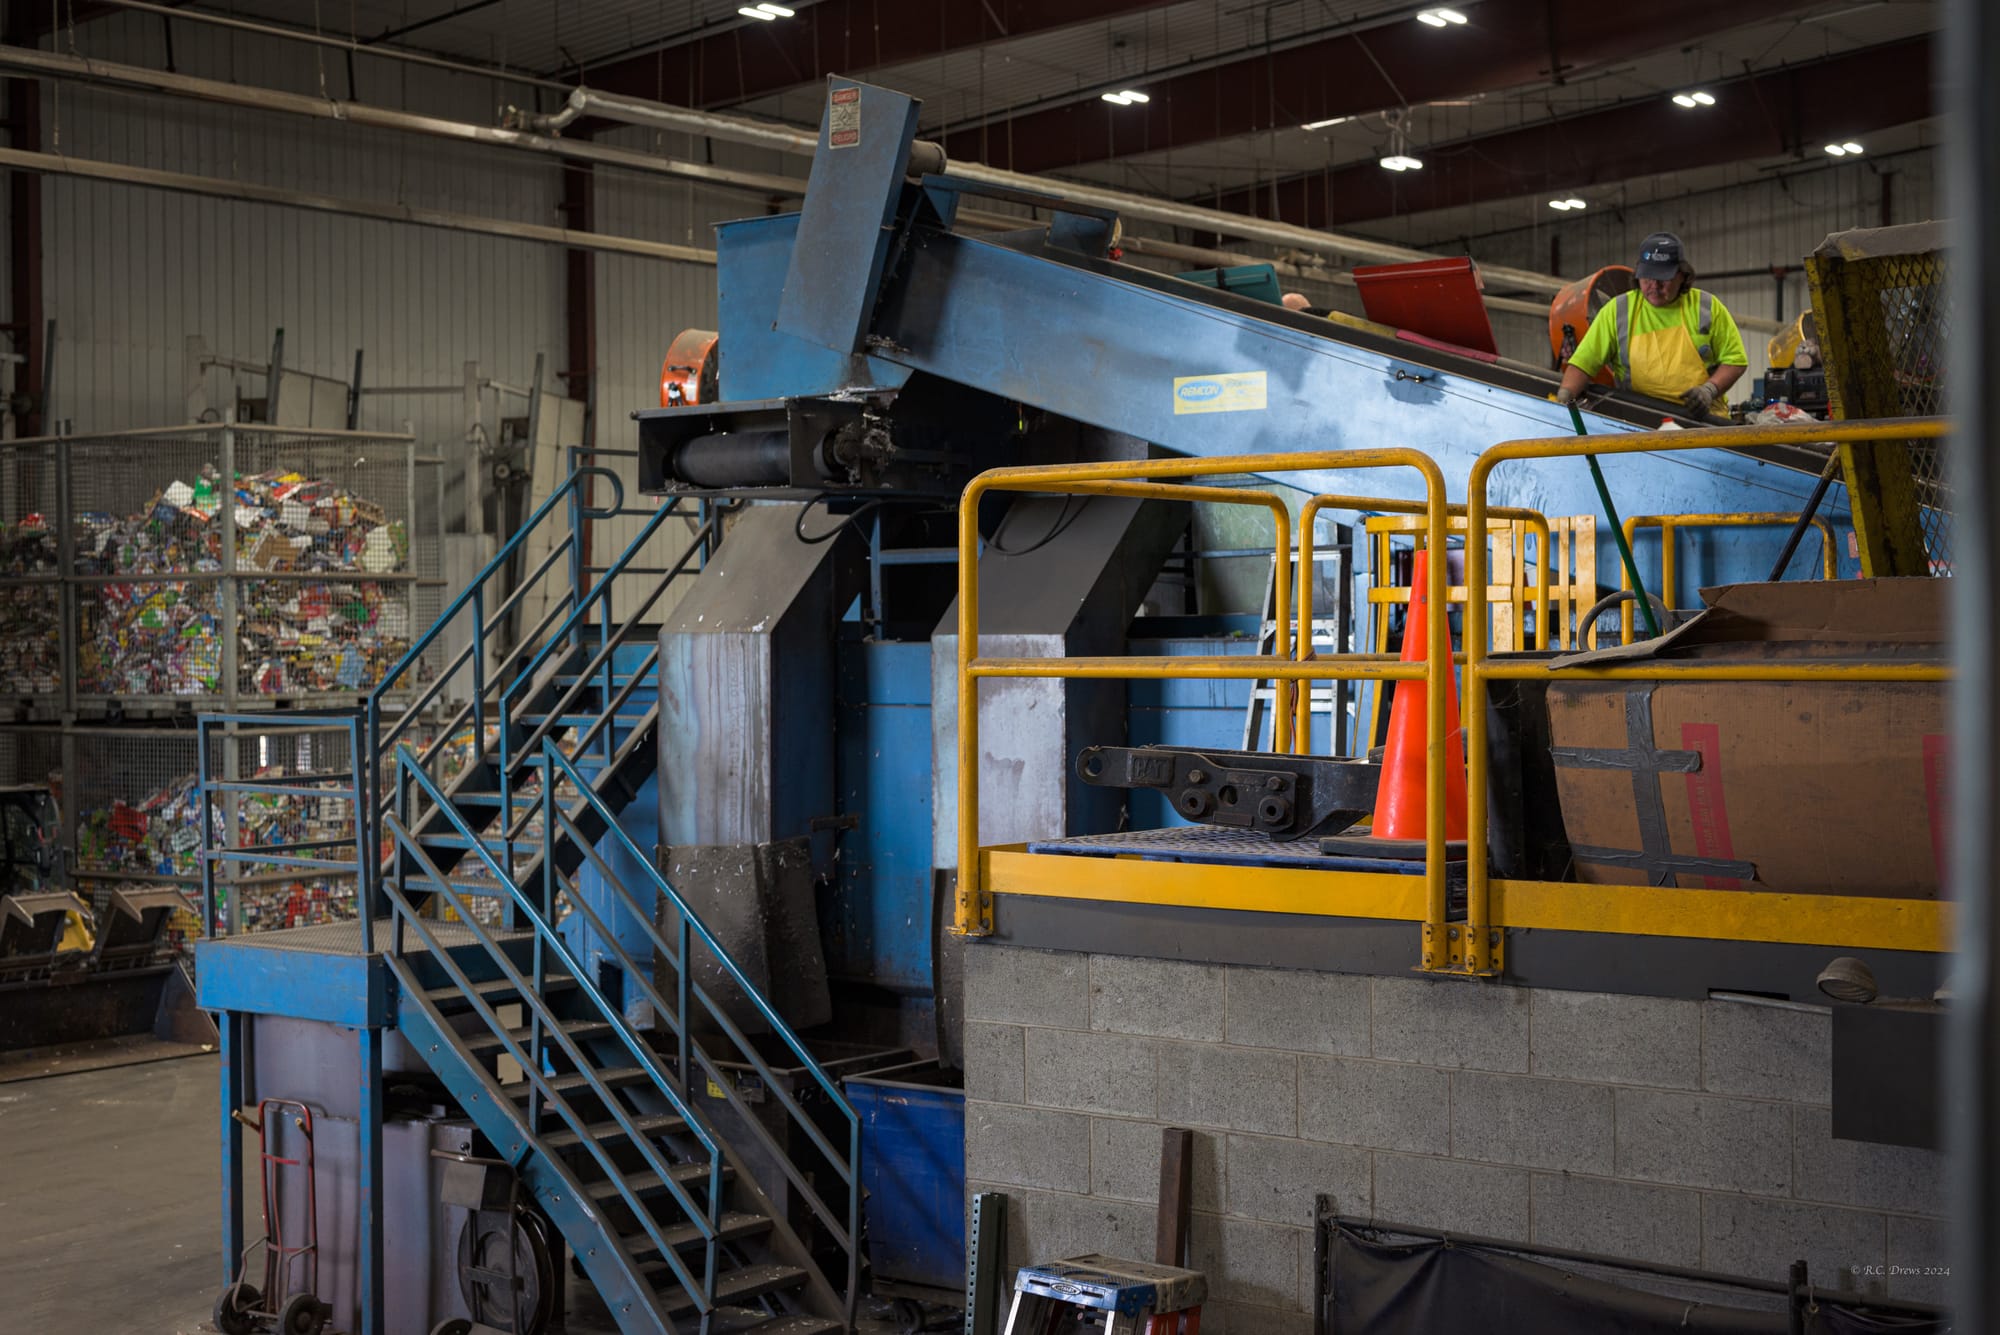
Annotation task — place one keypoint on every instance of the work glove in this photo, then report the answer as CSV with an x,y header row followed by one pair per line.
x,y
1700,399
1565,397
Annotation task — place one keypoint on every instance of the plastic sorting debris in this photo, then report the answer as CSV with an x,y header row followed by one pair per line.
x,y
154,635
161,834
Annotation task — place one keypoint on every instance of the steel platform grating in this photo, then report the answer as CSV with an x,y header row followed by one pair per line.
x,y
1225,846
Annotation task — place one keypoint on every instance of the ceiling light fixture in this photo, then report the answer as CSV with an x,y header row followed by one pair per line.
x,y
1842,150
1125,97
1321,125
1565,205
1402,162
750,13
778,11
1697,98
1440,18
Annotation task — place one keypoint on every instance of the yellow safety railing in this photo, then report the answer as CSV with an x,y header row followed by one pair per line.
x,y
1577,907
1671,525
1475,945
973,901
1537,524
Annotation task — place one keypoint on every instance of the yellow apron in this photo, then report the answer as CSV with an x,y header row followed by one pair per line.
x,y
1663,363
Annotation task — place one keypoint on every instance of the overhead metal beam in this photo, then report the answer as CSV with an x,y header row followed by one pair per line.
x,y
1505,45
1798,108
754,60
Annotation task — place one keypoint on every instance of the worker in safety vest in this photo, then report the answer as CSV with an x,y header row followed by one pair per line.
x,y
1669,340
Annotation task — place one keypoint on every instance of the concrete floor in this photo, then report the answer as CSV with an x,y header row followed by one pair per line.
x,y
109,1211
110,1215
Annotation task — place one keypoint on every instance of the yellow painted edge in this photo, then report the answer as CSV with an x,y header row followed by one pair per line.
x,y
1725,915
1008,870
1622,910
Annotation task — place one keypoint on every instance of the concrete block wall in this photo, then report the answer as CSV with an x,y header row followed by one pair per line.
x,y
1687,1133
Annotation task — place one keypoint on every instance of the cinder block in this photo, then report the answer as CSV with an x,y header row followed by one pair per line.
x,y
1853,1172
1109,1073
1009,985
1248,1262
1384,1105
1698,1140
1277,1180
1845,1251
1240,1089
1027,1147
1125,1163
1161,998
1303,1012
1919,1260
1517,1119
1661,1225
995,1063
1768,1052
1483,1026
1050,1225
1453,1195
1616,1039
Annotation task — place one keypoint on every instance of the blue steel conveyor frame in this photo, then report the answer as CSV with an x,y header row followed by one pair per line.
x,y
1043,317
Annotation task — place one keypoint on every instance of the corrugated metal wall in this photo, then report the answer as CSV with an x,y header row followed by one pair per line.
x,y
1754,226
642,303
131,271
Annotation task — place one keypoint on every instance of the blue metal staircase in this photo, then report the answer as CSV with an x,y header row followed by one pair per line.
x,y
490,821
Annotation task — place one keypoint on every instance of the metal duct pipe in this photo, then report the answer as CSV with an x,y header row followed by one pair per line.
x,y
739,130
138,77
641,111
122,173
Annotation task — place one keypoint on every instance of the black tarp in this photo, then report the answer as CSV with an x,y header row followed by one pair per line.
x,y
1396,1284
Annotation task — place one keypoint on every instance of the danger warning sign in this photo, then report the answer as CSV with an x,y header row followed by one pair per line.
x,y
843,118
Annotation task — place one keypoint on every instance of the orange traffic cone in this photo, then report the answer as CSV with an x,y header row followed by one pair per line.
x,y
1399,796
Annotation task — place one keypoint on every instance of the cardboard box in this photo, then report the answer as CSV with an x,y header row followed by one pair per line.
x,y
1824,787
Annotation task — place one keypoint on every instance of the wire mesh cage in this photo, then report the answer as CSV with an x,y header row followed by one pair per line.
x,y
1883,311
214,564
254,896
31,595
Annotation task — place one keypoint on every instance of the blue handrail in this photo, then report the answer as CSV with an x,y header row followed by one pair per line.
x,y
849,1168
545,930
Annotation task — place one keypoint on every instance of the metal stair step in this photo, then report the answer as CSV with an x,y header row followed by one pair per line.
x,y
730,1286
650,1183
616,1077
731,1227
583,720
749,1321
522,801
500,988
658,1125
493,843
578,1030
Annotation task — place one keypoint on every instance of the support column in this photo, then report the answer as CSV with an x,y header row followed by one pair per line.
x,y
579,208
26,321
